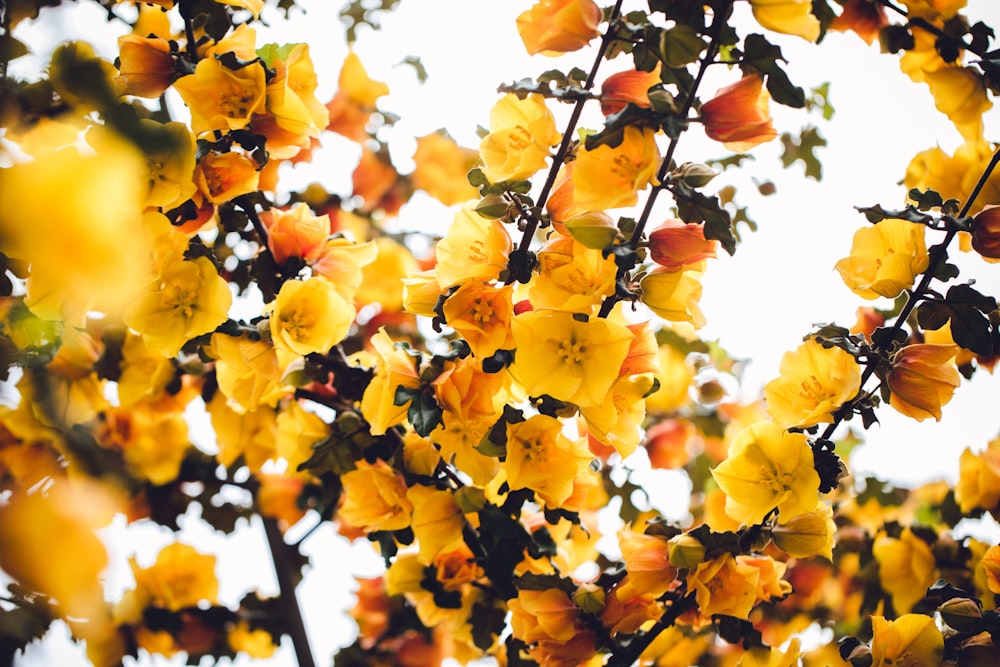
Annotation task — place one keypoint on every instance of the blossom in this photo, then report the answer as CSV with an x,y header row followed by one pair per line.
x,y
724,585
885,258
675,243
542,458
247,371
441,167
145,66
154,441
647,562
814,381
221,177
979,478
986,233
473,247
571,276
481,314
551,27
521,132
295,233
863,17
343,263
221,98
355,99
566,358
181,577
544,615
628,87
291,93
960,94
610,177
767,656
922,379
790,17
906,567
383,269
238,433
309,316
674,294
739,115
767,468
375,497
395,369
809,534
437,521
190,298
911,639
617,422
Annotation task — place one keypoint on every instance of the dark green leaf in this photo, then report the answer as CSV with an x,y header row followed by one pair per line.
x,y
932,315
487,624
424,413
694,207
970,329
736,630
802,149
965,294
680,45
925,200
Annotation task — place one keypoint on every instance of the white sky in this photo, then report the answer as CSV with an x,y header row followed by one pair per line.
x,y
759,303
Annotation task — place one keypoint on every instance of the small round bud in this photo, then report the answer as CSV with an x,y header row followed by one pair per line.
x,y
695,174
685,551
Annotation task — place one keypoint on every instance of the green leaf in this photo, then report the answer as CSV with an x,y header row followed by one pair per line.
x,y
965,294
488,622
970,329
802,149
680,45
932,315
763,56
693,206
424,413
925,200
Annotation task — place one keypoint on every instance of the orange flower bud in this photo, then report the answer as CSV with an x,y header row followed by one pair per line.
x,y
738,115
295,233
146,67
986,233
922,380
675,244
869,320
864,17
629,87
552,27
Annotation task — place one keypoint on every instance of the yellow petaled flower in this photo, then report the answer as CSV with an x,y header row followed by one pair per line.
x,y
675,244
251,435
352,106
760,656
647,561
309,316
789,17
960,94
145,66
912,639
540,457
343,263
298,431
814,382
568,359
628,87
291,94
923,378
933,9
181,577
383,270
187,300
609,177
481,314
676,376
884,259
437,521
255,643
247,371
221,177
979,478
171,167
153,441
990,563
441,167
955,176
375,498
724,586
673,294
521,133
395,368
906,567
295,233
544,615
474,247
807,535
220,98
145,372
572,277
768,467
617,422
552,27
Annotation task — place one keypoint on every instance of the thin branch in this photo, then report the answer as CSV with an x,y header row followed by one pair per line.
x,y
291,613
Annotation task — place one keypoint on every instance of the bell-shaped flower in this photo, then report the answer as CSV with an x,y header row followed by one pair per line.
x,y
814,381
552,27
473,247
768,467
221,98
673,294
923,378
221,177
145,66
395,368
885,258
864,18
441,167
610,177
375,497
675,243
986,233
542,458
906,568
481,314
789,17
960,94
979,478
628,87
724,585
521,134
354,102
295,233
739,115
911,639
309,316
247,371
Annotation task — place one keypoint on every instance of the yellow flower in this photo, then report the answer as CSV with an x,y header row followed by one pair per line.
x,y
437,521
355,99
221,177
979,478
814,382
724,586
145,66
298,431
609,177
884,259
145,372
441,167
912,639
255,643
309,316
923,378
154,441
617,422
933,9
220,98
521,133
384,266
552,27
171,167
805,535
572,277
760,656
674,294
790,17
295,233
251,435
544,615
906,567
569,359
540,457
474,247
187,300
395,368
960,94
375,498
647,561
990,562
768,467
291,94
676,376
481,313
181,577
247,371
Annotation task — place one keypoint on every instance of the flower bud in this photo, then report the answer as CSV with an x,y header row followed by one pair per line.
x,y
805,535
676,243
963,614
923,378
493,206
986,232
685,551
589,598
860,656
593,230
695,174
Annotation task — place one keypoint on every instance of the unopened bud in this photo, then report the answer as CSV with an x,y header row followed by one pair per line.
x,y
986,232
589,598
493,206
963,614
804,535
593,230
685,551
695,174
470,499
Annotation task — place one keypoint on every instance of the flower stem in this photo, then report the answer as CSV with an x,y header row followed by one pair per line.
x,y
284,566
